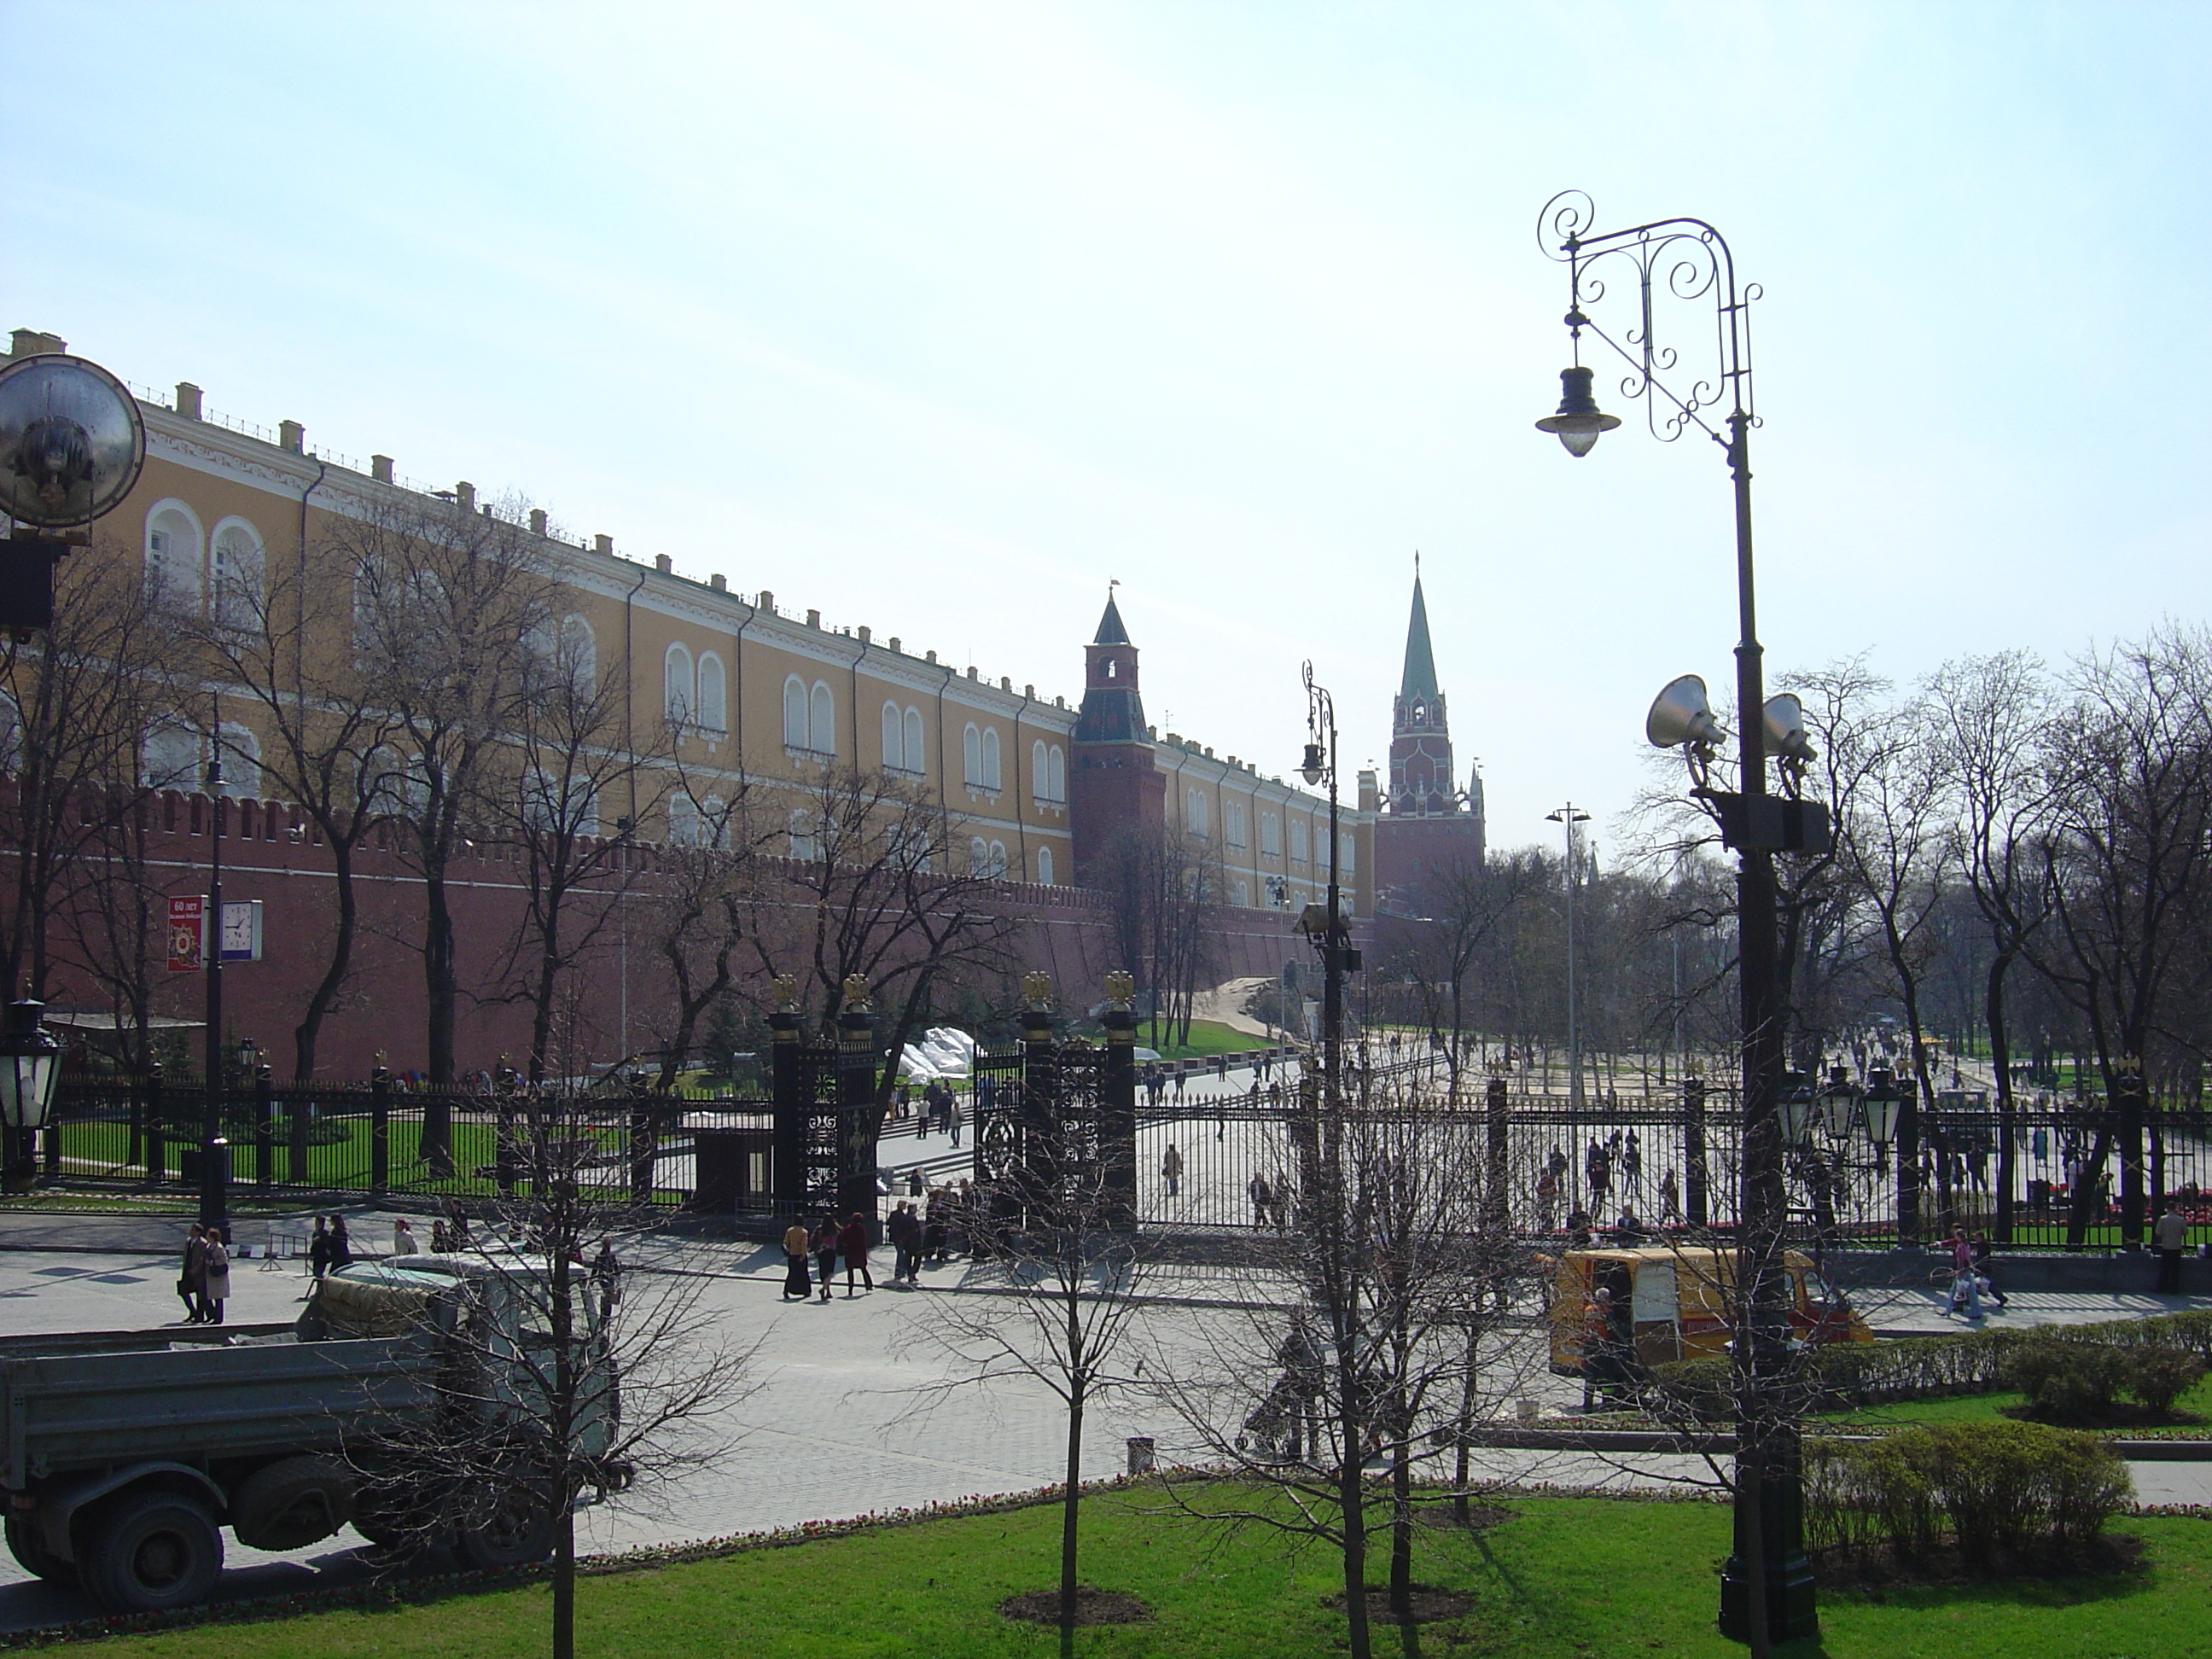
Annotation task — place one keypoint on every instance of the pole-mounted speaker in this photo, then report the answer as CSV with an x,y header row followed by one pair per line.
x,y
1785,725
1681,715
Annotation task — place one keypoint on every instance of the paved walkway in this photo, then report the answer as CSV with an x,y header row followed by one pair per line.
x,y
844,1420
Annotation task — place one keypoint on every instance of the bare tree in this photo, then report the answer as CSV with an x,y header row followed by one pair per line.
x,y
271,636
1071,1289
564,1375
1395,1248
882,884
81,698
1991,711
445,602
1445,949
2128,756
700,911
568,757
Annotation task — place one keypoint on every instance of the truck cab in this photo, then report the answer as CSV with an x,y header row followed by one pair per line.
x,y
125,1454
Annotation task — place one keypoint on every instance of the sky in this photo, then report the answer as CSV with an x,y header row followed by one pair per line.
x,y
938,317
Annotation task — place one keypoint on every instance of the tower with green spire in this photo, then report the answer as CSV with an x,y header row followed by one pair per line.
x,y
1429,822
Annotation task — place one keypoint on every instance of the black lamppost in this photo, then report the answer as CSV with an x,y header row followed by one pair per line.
x,y
1319,762
1767,1582
215,1146
1571,818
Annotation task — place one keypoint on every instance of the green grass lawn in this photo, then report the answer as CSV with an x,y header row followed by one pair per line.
x,y
1981,1408
1564,1578
1207,1037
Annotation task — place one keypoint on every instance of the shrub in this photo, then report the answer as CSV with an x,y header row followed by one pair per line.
x,y
2072,1381
1994,1488
2159,1377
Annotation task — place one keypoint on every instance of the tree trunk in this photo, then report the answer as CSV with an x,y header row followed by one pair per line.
x,y
1069,1511
2000,1060
306,1034
1402,1513
440,983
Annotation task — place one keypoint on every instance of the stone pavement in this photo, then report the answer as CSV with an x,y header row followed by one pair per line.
x,y
842,1421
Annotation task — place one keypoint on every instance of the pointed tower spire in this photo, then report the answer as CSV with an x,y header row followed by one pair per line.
x,y
1110,631
1418,683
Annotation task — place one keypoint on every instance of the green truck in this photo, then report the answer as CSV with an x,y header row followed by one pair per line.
x,y
123,1454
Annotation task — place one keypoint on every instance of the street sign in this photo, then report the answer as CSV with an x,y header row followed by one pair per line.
x,y
242,930
186,918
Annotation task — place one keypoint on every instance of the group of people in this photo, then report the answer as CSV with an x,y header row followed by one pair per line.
x,y
1622,1155
203,1284
930,1231
939,1106
328,1249
1971,1271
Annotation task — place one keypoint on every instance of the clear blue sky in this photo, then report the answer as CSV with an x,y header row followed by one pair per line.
x,y
936,317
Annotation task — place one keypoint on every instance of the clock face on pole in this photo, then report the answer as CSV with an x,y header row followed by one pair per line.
x,y
241,931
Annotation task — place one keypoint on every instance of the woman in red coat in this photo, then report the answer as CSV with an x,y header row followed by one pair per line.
x,y
853,1245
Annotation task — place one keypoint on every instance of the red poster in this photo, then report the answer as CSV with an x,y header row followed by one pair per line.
x,y
187,916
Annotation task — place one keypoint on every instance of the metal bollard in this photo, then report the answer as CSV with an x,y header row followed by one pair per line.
x,y
1141,1447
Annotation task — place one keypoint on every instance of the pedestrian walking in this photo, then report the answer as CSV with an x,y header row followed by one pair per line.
x,y
319,1247
1548,1200
1171,1169
214,1276
1282,1192
341,1245
191,1275
952,1116
2168,1235
1261,1198
794,1262
606,1276
853,1245
935,1224
825,1255
905,1231
1670,1201
1963,1288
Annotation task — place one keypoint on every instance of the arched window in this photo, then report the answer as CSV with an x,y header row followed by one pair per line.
x,y
1040,772
971,757
822,720
173,753
1044,867
1241,889
1298,841
917,752
682,821
1111,667
579,652
894,738
715,823
676,694
979,856
236,568
1271,836
173,557
804,846
241,763
795,712
991,757
1057,771
1194,812
1232,823
998,871
713,713
1346,856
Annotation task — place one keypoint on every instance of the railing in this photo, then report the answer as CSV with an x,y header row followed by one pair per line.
x,y
376,1139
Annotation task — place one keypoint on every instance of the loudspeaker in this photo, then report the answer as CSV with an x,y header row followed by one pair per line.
x,y
1785,725
1680,714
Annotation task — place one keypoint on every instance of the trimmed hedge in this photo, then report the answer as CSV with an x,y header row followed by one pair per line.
x,y
1993,1489
1846,1375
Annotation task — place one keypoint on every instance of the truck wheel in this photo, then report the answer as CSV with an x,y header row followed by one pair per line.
x,y
23,1544
390,1523
151,1552
517,1531
292,1502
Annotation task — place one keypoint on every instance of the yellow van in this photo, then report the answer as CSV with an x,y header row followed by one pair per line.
x,y
1679,1302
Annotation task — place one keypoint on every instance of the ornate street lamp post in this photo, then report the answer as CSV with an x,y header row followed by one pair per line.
x,y
30,1066
1571,818
1319,762
1767,1582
